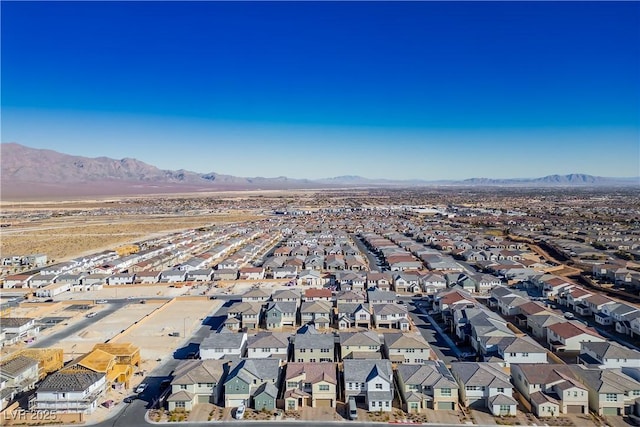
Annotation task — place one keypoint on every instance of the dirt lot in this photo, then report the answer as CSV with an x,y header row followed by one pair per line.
x,y
67,237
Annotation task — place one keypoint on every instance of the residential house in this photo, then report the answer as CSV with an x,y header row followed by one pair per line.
x,y
279,314
608,354
197,381
310,384
287,295
519,349
70,390
381,297
360,345
245,379
256,295
567,336
484,385
350,315
551,389
407,348
313,347
370,381
268,344
394,316
611,392
223,344
249,314
429,385
316,312
20,373
318,295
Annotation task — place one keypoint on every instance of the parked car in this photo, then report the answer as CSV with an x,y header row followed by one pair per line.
x,y
240,412
569,315
141,388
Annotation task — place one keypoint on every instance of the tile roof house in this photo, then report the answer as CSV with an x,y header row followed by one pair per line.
x,y
407,348
222,344
567,336
484,385
316,312
313,347
246,378
197,381
350,315
69,390
608,354
360,345
310,384
249,314
394,316
371,380
268,344
611,392
279,314
551,389
429,385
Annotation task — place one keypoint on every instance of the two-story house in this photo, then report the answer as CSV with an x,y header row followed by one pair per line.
x,y
313,347
360,345
369,381
223,343
406,348
484,385
608,354
69,390
248,378
197,381
551,389
279,314
429,385
611,392
310,384
268,344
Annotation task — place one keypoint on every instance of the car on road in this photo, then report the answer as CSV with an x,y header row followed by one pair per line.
x,y
129,399
213,297
102,301
240,412
141,388
569,315
90,315
129,298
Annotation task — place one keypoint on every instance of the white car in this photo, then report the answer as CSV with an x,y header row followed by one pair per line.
x,y
91,314
142,387
240,412
102,301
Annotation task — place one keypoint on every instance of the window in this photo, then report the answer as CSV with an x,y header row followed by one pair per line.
x,y
525,354
292,384
312,360
361,385
323,387
445,392
378,386
182,387
179,404
611,397
373,404
411,350
324,350
303,350
505,408
350,386
307,385
500,389
386,403
575,394
210,385
636,392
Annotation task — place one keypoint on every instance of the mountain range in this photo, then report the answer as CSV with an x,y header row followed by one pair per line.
x,y
34,173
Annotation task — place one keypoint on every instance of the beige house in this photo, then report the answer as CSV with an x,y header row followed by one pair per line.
x,y
310,384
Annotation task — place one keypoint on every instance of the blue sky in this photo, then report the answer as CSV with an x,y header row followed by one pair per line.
x,y
317,89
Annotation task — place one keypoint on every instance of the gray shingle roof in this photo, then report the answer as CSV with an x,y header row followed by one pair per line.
x,y
359,370
70,380
314,341
222,340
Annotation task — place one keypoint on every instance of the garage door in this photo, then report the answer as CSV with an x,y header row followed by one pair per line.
x,y
574,409
234,403
203,399
323,403
609,411
445,405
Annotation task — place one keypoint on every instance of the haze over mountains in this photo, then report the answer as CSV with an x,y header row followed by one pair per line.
x,y
34,173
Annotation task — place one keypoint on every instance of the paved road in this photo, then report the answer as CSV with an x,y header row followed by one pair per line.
x,y
366,252
53,339
439,341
